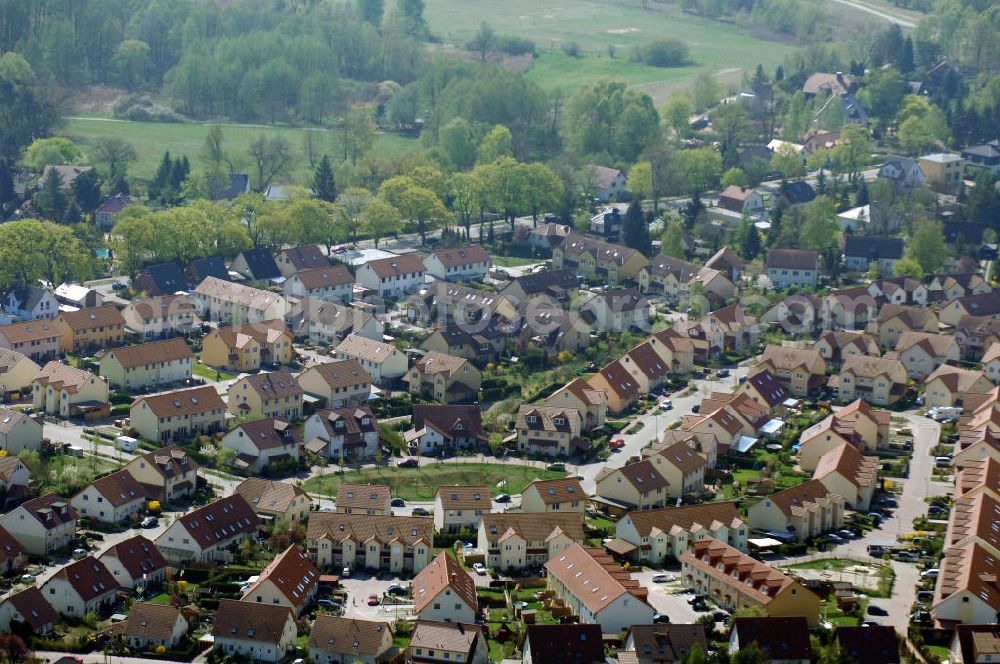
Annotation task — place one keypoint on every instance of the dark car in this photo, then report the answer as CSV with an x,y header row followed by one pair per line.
x,y
503,498
408,463
398,502
696,408
936,509
420,511
874,610
661,618
722,373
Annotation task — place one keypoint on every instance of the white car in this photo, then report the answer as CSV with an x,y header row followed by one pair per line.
x,y
930,573
666,404
662,578
479,568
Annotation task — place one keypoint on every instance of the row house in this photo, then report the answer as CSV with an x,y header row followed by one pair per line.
x,y
178,415
38,340
245,348
516,540
63,390
802,511
226,301
147,365
89,329
675,279
274,394
358,541
333,283
986,305
460,508
657,536
160,317
384,362
900,290
598,260
392,277
878,380
469,262
329,323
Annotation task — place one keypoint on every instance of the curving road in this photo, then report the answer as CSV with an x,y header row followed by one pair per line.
x,y
860,6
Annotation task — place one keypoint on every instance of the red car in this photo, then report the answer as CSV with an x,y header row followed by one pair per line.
x,y
373,600
616,443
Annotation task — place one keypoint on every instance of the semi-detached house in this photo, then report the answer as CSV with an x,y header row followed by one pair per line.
x,y
922,352
392,277
168,474
634,486
799,369
274,394
515,540
350,432
257,632
259,443
548,431
246,347
178,415
208,533
89,329
336,384
42,525
557,496
340,640
333,283
458,508
81,587
136,562
804,511
444,591
383,361
63,390
159,317
878,380
290,580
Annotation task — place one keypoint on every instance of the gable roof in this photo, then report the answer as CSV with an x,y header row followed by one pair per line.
x,y
183,402
446,418
792,259
668,643
731,566
681,456
873,644
50,510
642,475
770,389
579,644
91,317
337,526
873,248
269,433
470,254
348,636
269,495
971,568
440,573
779,638
604,253
464,497
793,500
161,306
137,555
550,282
213,266
151,621
366,349
543,418
435,362
788,358
163,279
325,277
983,304
620,380
604,176
248,296
532,526
690,518
851,464
10,548
220,521
172,461
260,263
62,376
29,330
119,488
28,296
341,373
273,385
453,637
798,192
935,345
592,577
89,577
957,379
867,366
560,490
250,621
292,574
976,473
363,496
306,257
396,265
32,606
152,352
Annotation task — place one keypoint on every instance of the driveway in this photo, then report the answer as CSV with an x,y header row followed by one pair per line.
x,y
667,598
360,586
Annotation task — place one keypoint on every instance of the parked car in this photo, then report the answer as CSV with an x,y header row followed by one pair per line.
x,y
936,509
408,463
720,616
870,623
888,502
398,502
345,573
395,589
329,603
616,443
558,467
79,553
847,534
661,618
373,600
149,522
662,578
930,573
874,610
666,404
503,498
907,557
479,568
722,373
836,539
420,511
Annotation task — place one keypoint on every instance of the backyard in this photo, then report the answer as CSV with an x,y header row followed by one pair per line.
x,y
421,484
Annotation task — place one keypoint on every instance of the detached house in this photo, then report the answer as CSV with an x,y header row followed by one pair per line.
x,y
663,643
31,303
81,587
135,563
361,541
274,394
444,591
225,301
159,317
740,200
656,535
337,384
444,378
114,498
244,348
290,580
28,608
615,310
515,540
256,265
922,353
333,283
147,365
860,251
460,508
459,263
350,432
383,362
263,633
168,474
903,172
442,642
878,380
63,390
207,533
150,625
445,427
634,486
837,345
392,277
19,432
178,415
260,443
800,370
620,388
558,496
162,279
548,431
792,267
803,511
89,329
985,305
42,525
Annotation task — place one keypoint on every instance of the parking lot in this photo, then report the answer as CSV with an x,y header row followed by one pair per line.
x,y
668,598
360,586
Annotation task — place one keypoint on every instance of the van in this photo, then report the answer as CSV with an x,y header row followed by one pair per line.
x,y
942,461
126,443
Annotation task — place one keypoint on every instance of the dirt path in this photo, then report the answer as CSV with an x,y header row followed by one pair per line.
x,y
861,6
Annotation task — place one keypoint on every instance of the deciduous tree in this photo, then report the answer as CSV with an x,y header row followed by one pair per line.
x,y
927,245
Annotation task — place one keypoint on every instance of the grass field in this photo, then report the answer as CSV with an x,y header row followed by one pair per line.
x,y
422,483
150,139
595,25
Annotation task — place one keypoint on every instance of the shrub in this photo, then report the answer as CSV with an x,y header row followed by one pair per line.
x,y
662,53
572,49
515,45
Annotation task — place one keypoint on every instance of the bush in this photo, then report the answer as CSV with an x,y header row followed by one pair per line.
x,y
572,49
515,45
662,53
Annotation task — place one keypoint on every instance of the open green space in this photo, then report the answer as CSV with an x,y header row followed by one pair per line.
x,y
209,373
151,139
422,483
885,581
64,473
513,261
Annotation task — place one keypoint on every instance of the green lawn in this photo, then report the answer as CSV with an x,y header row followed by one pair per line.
x,y
514,261
205,371
595,25
150,139
65,472
422,483
940,652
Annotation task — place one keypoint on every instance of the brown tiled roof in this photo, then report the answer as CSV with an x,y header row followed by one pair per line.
x,y
604,253
981,472
462,256
956,379
352,417
342,373
362,527
183,402
152,352
269,495
545,418
366,349
793,500
151,621
403,264
220,521
970,568
464,497
9,358
644,476
648,361
292,573
32,606
532,526
363,496
453,637
32,330
935,345
273,385
434,362
440,573
683,457
866,366
263,332
63,377
171,460
250,621
977,641
559,490
50,510
119,488
976,517
348,636
793,259
850,463
839,340
149,308
325,277
691,518
137,555
228,291
732,567
306,256
580,570
268,433
872,644
9,464
779,638
445,419
620,380
667,643
585,392
10,548
89,577
786,357
915,318
556,644
91,317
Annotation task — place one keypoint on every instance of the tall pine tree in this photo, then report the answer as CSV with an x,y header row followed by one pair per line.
x,y
324,185
635,230
161,180
7,194
51,200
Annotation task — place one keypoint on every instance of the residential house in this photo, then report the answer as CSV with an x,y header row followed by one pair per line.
x,y
792,267
333,283
256,265
15,481
135,563
598,260
548,431
178,415
89,329
159,317
734,580
442,642
837,345
555,285
764,389
162,279
19,432
392,277
726,262
966,590
877,644
984,305
75,296
234,304
445,427
661,643
42,525
983,156
68,173
971,520
13,559
953,286
290,580
259,444
384,362
821,84
878,380
31,303
608,182
469,262
460,508
209,533
63,390
800,370
617,310
548,235
304,257
633,486
562,644
974,643
444,378
894,320
444,591
900,290
168,474
453,303
340,640
275,501
81,587
556,496
336,384
370,499
620,388
329,323
107,214
618,604
903,172
974,447
263,633
676,349
991,362
150,626
115,498
361,541
516,540
243,348
16,371
860,251
797,193
803,511
682,467
349,432
657,536
948,385
590,403
978,476
200,268
675,277
857,424
781,640
148,365
480,343
274,394
942,170
922,352
741,199
27,609
848,473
